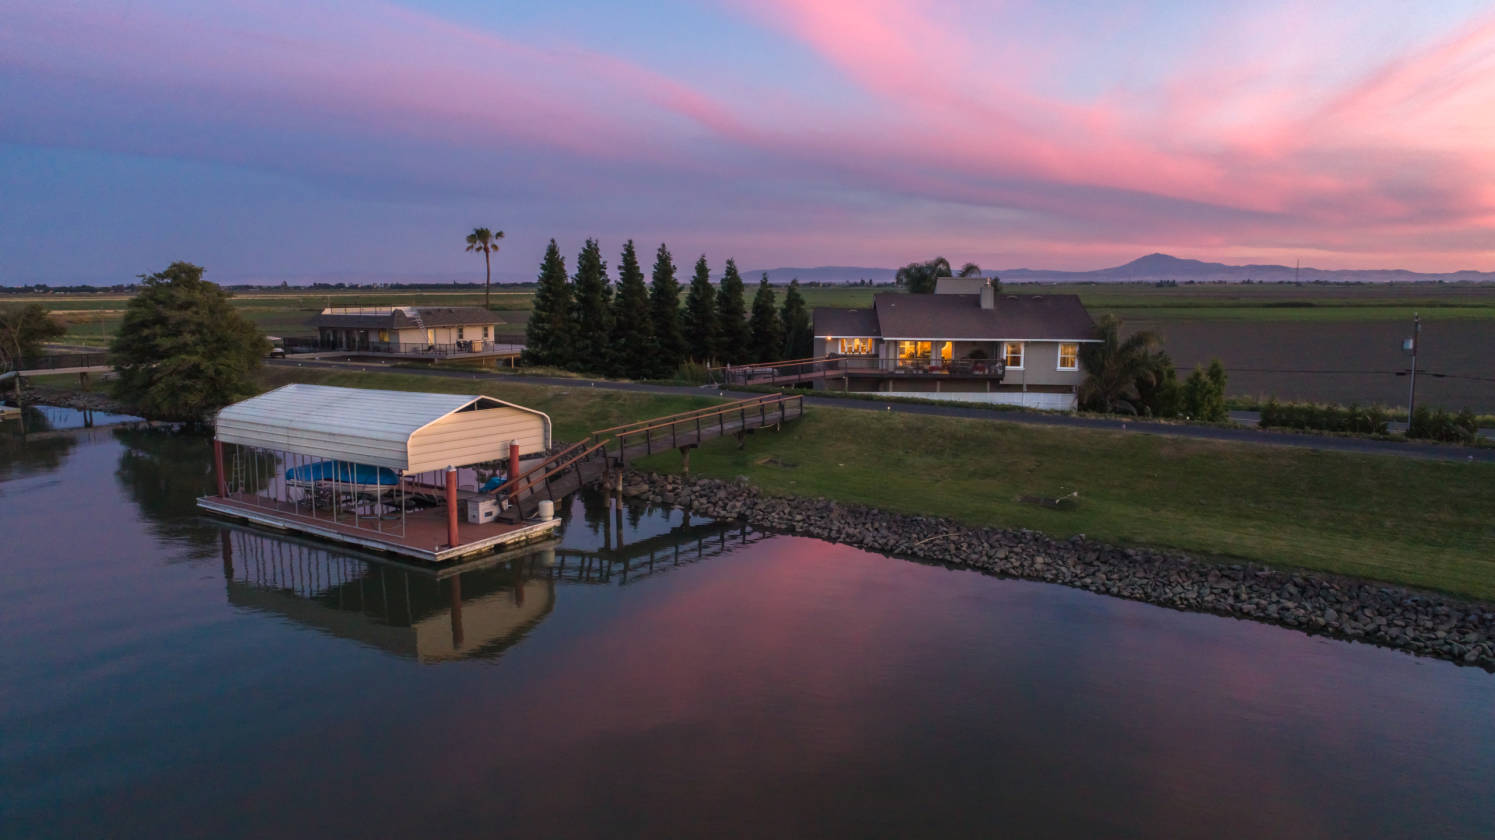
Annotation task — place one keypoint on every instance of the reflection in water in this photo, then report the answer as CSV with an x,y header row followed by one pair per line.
x,y
26,447
164,471
474,610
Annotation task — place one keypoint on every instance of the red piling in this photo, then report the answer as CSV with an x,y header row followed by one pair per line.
x,y
451,506
218,468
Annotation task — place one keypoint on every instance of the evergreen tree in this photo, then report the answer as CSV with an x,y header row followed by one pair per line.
x,y
547,336
799,334
634,350
700,315
664,305
591,319
767,329
734,336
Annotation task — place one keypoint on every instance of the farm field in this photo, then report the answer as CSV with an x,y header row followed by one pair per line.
x,y
1312,342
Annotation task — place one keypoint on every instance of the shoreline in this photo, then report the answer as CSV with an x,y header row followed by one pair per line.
x,y
1423,623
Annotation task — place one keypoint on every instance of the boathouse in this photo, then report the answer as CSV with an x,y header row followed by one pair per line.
x,y
413,474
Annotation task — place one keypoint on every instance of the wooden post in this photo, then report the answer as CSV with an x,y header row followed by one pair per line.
x,y
513,459
218,468
451,506
685,460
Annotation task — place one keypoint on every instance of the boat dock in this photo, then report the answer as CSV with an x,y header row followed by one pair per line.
x,y
431,477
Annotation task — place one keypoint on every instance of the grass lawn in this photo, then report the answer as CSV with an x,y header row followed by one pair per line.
x,y
1422,523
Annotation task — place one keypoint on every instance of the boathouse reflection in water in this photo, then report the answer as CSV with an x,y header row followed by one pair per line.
x,y
476,609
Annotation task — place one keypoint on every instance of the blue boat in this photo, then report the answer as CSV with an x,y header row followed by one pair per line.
x,y
359,475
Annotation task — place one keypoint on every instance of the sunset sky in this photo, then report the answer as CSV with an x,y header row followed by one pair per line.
x,y
270,138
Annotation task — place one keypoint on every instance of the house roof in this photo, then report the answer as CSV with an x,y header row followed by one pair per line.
x,y
845,323
960,317
382,428
404,317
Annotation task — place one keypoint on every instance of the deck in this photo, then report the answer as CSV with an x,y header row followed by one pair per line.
x,y
424,536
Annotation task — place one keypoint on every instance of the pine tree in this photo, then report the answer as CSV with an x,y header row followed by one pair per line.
x,y
634,351
734,337
799,334
591,320
700,315
547,336
768,330
664,306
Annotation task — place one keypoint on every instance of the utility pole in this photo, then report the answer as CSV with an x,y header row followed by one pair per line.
x,y
1412,345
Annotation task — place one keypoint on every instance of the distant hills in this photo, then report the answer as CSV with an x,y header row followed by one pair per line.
x,y
1152,268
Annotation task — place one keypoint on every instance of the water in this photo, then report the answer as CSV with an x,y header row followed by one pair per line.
x,y
166,675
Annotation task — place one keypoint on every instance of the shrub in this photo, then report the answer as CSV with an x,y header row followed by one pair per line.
x,y
1204,394
1437,424
1326,418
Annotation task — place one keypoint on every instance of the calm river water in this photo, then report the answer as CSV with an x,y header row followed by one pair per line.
x,y
164,674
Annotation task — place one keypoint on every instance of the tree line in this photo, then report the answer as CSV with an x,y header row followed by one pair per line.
x,y
586,323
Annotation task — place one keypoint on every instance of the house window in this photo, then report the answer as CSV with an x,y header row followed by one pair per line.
x,y
856,346
1069,356
913,351
459,334
485,331
1012,353
384,335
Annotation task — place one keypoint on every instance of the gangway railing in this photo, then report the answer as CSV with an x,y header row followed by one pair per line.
x,y
589,459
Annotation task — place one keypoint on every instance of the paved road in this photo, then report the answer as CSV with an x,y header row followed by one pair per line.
x,y
1236,435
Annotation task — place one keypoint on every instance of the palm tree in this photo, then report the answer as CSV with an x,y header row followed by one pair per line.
x,y
970,269
485,240
1114,367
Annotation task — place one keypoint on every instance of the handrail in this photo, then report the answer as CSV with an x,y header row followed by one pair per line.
x,y
710,409
753,365
504,489
768,399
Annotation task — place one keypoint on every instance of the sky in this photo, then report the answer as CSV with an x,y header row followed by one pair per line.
x,y
270,139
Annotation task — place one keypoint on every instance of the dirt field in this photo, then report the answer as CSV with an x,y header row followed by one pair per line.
x,y
1266,358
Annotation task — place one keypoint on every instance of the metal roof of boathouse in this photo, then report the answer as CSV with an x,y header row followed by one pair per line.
x,y
402,430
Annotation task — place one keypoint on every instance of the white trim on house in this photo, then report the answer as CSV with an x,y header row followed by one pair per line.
x,y
958,338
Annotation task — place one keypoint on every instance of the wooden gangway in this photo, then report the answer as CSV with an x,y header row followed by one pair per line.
x,y
602,451
61,363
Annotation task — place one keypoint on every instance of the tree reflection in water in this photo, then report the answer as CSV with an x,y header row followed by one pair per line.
x,y
165,471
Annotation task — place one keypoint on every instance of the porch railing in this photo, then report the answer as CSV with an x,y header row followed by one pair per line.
x,y
821,367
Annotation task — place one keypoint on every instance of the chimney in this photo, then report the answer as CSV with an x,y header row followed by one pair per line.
x,y
988,295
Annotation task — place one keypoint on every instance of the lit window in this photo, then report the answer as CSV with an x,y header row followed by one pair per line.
x,y
856,346
384,335
913,351
1069,357
1012,353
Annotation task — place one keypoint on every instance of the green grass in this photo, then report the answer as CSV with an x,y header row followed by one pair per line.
x,y
1416,522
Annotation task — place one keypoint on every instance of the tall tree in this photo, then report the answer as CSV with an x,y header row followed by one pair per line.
x,y
799,333
734,337
547,336
664,305
921,278
591,320
767,329
183,350
486,241
970,269
701,329
634,350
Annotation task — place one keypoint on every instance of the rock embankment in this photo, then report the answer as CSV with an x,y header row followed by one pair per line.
x,y
1418,622
80,400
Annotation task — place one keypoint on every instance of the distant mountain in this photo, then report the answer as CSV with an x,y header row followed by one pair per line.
x,y
1160,267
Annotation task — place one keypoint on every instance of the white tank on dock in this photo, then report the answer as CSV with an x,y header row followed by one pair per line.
x,y
546,509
